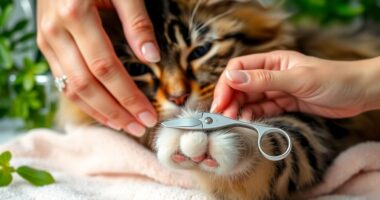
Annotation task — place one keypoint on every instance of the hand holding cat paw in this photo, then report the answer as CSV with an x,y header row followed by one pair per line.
x,y
285,81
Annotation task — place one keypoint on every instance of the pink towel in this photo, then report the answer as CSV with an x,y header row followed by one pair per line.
x,y
95,151
355,172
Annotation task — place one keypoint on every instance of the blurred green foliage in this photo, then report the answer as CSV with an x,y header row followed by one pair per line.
x,y
327,12
20,95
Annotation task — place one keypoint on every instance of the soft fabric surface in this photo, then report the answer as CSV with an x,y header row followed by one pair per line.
x,y
98,163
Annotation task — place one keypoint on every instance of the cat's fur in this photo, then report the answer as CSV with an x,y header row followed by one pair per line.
x,y
197,38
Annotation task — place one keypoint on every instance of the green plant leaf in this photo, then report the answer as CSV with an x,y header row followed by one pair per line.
x,y
5,14
35,176
4,3
5,177
26,37
350,11
6,60
35,104
40,68
28,63
5,157
19,26
28,82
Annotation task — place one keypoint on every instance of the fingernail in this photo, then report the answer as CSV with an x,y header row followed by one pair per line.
x,y
147,119
135,129
150,52
237,76
113,126
214,105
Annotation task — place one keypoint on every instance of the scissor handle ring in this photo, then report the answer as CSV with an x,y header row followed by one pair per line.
x,y
278,157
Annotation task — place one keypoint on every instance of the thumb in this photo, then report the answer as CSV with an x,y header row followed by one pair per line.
x,y
254,81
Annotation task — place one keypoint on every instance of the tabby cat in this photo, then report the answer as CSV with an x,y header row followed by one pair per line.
x,y
197,38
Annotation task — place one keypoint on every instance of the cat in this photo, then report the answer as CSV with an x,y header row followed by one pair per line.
x,y
197,38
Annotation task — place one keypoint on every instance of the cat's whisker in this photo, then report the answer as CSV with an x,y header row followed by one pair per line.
x,y
212,20
192,17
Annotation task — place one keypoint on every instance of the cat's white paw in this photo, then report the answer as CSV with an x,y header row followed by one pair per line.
x,y
217,152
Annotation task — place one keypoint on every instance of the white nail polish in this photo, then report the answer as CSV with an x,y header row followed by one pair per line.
x,y
147,118
214,105
237,76
150,52
136,129
113,126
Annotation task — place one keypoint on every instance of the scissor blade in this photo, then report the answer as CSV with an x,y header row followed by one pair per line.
x,y
187,123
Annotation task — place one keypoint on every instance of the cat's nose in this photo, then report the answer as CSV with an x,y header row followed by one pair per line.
x,y
179,100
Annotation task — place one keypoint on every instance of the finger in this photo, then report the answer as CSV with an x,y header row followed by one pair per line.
x,y
57,72
100,57
82,84
138,29
272,61
286,103
256,81
90,111
232,111
275,60
246,114
223,94
49,55
265,109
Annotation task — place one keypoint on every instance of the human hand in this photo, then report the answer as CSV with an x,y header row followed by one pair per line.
x,y
284,81
71,36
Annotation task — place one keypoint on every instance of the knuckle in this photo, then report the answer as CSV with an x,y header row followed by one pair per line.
x,y
70,10
71,95
49,27
79,83
113,114
102,68
264,77
141,24
130,101
41,42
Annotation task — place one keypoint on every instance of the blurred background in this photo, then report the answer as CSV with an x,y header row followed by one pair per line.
x,y
27,92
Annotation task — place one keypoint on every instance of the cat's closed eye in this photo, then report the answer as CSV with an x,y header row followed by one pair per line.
x,y
200,51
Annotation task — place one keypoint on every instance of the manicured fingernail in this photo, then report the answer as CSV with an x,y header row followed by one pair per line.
x,y
150,52
237,76
147,119
135,129
113,126
214,105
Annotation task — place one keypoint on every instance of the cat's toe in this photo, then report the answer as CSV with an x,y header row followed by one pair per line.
x,y
198,159
194,145
178,158
210,162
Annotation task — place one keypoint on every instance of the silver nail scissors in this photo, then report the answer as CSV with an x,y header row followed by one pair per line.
x,y
210,121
